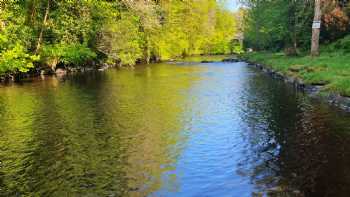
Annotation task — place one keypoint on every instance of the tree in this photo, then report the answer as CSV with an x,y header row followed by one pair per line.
x,y
286,25
43,26
71,33
121,40
315,51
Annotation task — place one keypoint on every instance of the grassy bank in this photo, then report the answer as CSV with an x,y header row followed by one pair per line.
x,y
329,69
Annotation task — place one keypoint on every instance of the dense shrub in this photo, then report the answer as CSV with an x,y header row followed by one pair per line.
x,y
69,54
16,59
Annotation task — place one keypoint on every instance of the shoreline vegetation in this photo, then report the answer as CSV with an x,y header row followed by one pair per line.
x,y
304,42
60,72
330,70
325,77
47,36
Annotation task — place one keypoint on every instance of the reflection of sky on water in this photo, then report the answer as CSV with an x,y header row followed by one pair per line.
x,y
215,129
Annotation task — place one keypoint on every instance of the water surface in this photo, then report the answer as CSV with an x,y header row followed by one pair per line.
x,y
187,129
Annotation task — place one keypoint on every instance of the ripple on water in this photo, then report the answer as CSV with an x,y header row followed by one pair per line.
x,y
170,130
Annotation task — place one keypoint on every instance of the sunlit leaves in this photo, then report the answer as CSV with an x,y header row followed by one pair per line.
x,y
121,40
69,54
122,32
16,59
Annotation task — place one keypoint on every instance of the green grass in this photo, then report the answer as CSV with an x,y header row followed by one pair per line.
x,y
329,69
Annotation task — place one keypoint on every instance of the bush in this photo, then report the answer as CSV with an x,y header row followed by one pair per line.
x,y
342,45
72,54
16,59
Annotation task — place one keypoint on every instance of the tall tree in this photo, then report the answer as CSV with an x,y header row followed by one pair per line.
x,y
316,26
71,33
43,26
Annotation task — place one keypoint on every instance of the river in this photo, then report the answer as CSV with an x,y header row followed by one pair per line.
x,y
170,129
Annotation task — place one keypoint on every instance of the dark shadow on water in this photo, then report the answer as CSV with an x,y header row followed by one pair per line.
x,y
298,146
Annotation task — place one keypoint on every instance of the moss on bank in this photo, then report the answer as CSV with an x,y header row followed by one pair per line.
x,y
329,69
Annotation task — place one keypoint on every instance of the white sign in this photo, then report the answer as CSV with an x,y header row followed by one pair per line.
x,y
316,25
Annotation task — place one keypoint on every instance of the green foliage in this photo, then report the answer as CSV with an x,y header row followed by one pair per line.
x,y
197,27
15,38
330,69
69,54
121,40
236,47
341,85
221,41
125,32
286,25
279,24
16,59
341,45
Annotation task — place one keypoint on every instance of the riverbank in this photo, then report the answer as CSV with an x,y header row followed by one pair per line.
x,y
326,76
101,66
42,71
185,117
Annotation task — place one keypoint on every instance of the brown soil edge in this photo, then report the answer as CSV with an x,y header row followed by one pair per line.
x,y
314,91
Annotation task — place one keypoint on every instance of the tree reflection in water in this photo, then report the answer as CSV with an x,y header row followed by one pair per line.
x,y
169,130
101,134
297,145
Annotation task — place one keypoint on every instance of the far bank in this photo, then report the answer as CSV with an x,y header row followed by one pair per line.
x,y
328,74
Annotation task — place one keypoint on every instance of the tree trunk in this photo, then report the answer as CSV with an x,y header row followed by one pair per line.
x,y
315,51
31,12
43,27
148,51
295,28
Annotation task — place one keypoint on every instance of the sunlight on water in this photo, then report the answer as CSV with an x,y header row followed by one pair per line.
x,y
217,129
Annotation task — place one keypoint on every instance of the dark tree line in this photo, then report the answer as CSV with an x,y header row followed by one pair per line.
x,y
287,24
